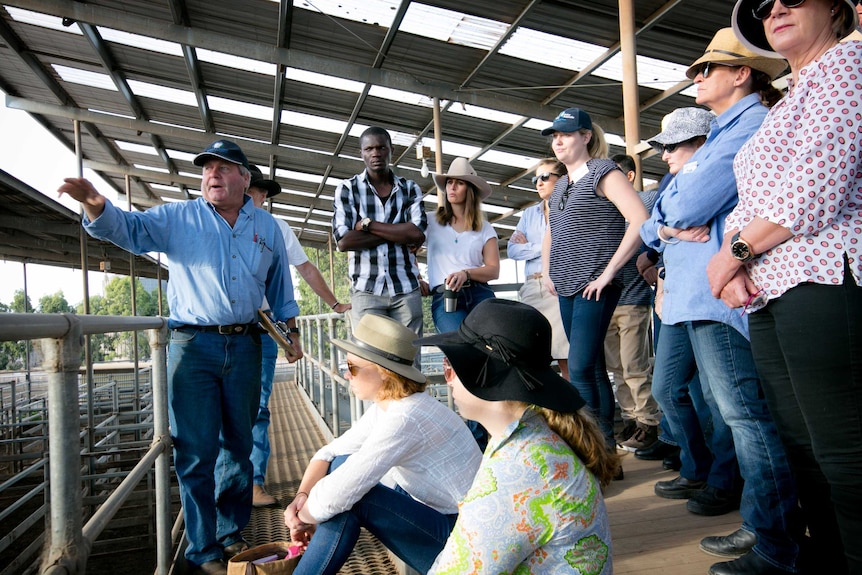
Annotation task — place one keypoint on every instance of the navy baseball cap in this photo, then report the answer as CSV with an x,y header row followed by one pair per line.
x,y
225,150
569,120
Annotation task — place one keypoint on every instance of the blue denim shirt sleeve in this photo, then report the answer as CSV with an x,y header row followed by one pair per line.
x,y
533,226
218,274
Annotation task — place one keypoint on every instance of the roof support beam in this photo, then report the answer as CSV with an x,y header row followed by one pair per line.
x,y
221,42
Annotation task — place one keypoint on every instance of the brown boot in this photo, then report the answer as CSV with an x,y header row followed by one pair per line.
x,y
260,498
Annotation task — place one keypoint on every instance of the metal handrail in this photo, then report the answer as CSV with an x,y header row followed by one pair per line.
x,y
69,542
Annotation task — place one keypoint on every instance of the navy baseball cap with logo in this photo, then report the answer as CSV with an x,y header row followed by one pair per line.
x,y
569,120
225,150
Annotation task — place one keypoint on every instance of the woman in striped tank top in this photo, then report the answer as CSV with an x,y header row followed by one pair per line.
x,y
585,248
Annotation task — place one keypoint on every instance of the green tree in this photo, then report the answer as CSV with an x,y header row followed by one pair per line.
x,y
13,353
55,303
309,302
118,301
18,302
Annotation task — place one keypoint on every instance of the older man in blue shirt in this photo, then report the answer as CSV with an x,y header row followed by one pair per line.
x,y
225,255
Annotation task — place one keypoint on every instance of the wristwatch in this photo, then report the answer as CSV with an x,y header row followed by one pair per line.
x,y
365,223
741,249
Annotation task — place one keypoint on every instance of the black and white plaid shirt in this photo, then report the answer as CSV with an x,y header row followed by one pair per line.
x,y
389,269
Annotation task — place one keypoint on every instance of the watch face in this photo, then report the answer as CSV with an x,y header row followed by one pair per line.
x,y
740,250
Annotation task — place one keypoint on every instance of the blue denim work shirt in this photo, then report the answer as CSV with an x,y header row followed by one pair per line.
x,y
219,274
533,225
702,193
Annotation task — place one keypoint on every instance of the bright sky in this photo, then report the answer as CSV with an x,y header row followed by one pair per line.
x,y
34,156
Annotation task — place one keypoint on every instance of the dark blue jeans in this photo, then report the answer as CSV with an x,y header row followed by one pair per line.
x,y
807,345
705,440
411,530
213,397
468,298
260,432
769,506
586,322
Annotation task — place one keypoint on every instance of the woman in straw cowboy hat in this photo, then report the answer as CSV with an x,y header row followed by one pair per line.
x,y
408,437
462,245
791,252
536,504
733,82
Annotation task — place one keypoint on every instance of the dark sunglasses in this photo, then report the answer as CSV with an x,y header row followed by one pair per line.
x,y
763,9
544,177
355,369
710,66
669,148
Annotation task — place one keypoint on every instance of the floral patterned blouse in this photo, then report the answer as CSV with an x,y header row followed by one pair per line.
x,y
803,170
533,508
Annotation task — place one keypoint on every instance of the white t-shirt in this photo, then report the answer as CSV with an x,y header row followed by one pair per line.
x,y
450,251
295,254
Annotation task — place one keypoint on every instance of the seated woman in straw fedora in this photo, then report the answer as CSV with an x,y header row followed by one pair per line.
x,y
407,438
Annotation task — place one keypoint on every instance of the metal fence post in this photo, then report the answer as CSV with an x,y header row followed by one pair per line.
x,y
161,432
62,362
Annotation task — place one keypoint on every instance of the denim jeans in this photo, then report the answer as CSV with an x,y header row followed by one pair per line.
x,y
413,531
665,433
808,348
705,441
769,502
468,298
213,396
260,432
586,322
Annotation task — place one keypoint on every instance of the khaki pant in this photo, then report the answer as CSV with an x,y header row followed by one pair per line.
x,y
627,355
534,293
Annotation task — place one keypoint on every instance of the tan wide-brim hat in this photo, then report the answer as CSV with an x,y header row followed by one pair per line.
x,y
750,31
461,169
725,48
386,342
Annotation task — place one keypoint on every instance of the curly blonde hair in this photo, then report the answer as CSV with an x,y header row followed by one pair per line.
x,y
581,432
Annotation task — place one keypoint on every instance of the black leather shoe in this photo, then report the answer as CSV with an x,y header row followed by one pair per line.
x,y
235,548
672,462
214,567
736,544
679,488
657,451
749,564
711,502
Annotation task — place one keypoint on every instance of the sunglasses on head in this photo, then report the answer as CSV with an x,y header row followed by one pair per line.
x,y
544,177
763,9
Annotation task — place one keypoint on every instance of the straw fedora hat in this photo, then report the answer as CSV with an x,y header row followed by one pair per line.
x,y
461,169
750,30
386,342
725,48
502,352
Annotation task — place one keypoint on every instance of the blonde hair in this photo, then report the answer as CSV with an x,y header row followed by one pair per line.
x,y
396,386
598,146
558,168
472,208
581,432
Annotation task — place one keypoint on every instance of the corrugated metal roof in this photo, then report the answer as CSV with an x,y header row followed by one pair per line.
x,y
172,125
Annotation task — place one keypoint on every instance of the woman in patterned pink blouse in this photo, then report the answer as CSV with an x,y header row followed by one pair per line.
x,y
792,257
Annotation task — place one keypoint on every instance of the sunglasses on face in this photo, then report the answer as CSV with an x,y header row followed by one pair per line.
x,y
763,9
544,177
710,66
669,148
355,369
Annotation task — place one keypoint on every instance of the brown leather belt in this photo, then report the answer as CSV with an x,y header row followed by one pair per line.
x,y
535,276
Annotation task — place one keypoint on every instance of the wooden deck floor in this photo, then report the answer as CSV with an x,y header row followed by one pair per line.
x,y
651,536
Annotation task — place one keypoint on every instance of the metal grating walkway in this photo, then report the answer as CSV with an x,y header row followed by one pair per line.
x,y
295,437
